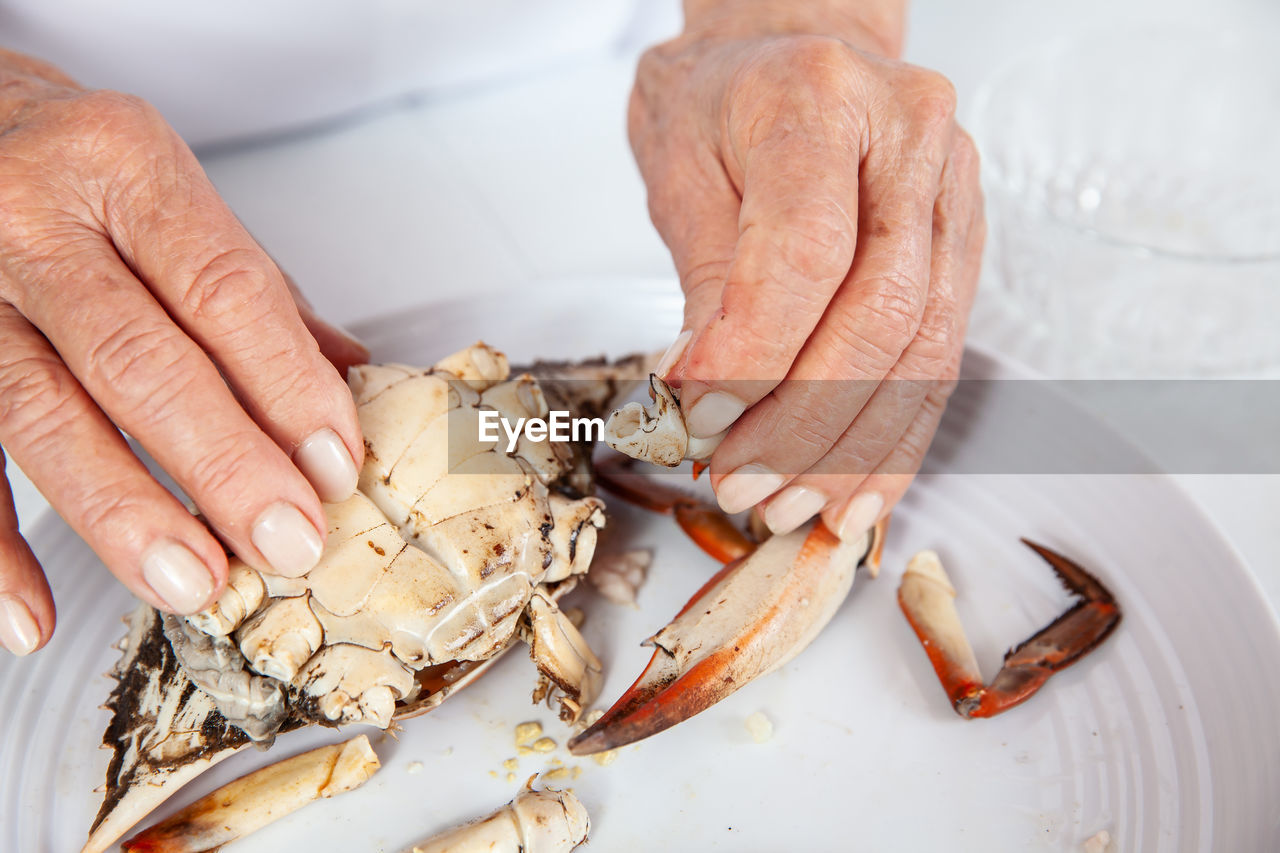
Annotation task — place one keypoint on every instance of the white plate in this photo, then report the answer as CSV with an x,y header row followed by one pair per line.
x,y
1166,737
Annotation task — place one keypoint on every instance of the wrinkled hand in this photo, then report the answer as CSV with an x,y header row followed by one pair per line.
x,y
823,210
132,298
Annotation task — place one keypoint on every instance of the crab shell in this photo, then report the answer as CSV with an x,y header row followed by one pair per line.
x,y
429,574
448,551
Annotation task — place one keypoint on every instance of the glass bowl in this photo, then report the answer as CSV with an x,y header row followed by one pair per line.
x,y
1134,200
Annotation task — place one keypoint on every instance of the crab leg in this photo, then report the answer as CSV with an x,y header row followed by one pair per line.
x,y
927,598
753,616
255,800
709,528
535,821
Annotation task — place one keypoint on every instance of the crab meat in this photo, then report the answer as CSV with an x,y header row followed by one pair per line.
x,y
534,822
619,575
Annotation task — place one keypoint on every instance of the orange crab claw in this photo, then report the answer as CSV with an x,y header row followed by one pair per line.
x,y
753,616
709,528
926,597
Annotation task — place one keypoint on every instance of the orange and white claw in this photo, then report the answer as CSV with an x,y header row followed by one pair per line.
x,y
926,596
752,617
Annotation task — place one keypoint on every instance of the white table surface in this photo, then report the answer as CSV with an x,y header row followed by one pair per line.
x,y
497,188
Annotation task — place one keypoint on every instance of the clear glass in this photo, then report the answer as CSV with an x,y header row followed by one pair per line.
x,y
1133,186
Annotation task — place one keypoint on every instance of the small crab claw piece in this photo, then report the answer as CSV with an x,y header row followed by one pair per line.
x,y
253,801
654,433
752,617
927,598
657,433
534,822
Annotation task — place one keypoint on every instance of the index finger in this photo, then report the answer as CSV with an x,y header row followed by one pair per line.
x,y
797,235
225,292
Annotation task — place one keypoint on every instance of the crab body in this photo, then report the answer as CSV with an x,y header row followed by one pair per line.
x,y
450,550
449,546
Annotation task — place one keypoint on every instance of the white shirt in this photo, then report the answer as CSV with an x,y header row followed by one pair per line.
x,y
235,68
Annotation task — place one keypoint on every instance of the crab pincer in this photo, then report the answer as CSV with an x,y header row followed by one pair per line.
x,y
926,597
753,616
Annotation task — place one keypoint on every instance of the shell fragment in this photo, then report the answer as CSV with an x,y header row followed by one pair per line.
x,y
534,822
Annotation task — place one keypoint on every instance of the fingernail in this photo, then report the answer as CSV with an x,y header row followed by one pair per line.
x,y
745,487
713,413
673,353
702,448
859,515
289,542
793,507
19,632
177,575
323,459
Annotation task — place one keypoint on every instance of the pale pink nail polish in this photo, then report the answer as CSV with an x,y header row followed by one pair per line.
x,y
323,459
859,515
746,486
19,632
287,539
177,576
792,507
714,412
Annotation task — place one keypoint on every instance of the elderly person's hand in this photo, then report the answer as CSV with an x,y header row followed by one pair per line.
x,y
823,210
132,299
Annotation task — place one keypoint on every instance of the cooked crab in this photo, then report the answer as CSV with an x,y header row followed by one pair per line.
x,y
772,599
450,550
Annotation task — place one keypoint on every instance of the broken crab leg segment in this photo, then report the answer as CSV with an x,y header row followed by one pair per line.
x,y
563,657
928,600
1028,665
750,619
253,801
534,822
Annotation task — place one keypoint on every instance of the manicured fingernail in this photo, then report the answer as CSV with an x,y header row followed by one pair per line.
x,y
19,632
702,448
177,575
793,507
287,539
673,353
859,515
713,413
323,459
745,487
